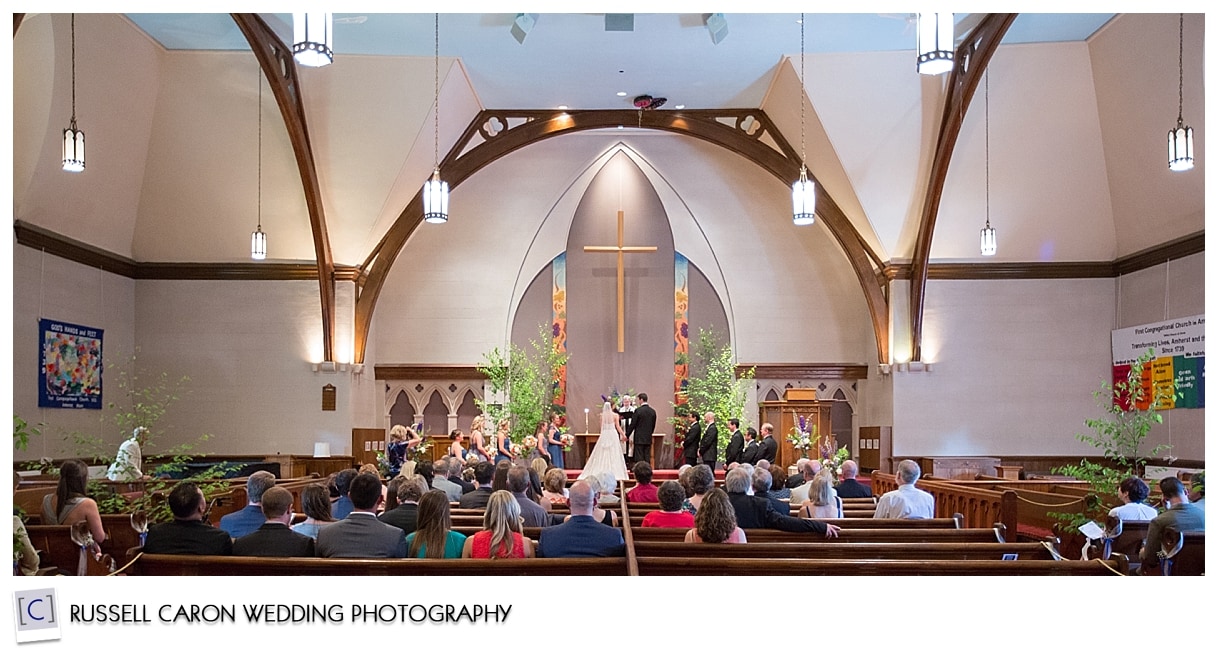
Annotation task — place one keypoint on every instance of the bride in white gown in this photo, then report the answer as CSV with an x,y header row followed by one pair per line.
x,y
607,454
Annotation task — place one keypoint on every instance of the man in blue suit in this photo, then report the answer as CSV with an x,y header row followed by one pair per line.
x,y
581,535
250,518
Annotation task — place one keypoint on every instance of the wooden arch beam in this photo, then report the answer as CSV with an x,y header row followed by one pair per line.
x,y
738,130
277,64
972,57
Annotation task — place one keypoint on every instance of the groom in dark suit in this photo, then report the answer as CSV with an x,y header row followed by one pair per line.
x,y
644,426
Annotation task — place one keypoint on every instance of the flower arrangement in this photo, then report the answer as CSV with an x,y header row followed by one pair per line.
x,y
832,457
568,441
528,444
423,449
382,464
802,436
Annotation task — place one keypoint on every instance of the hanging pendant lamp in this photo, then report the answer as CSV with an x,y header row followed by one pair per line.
x,y
803,191
1180,139
73,137
435,191
936,42
313,39
989,236
258,238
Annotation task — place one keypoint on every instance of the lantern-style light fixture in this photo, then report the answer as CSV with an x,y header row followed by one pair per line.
x,y
258,238
936,43
435,191
803,191
73,137
1179,139
313,39
989,236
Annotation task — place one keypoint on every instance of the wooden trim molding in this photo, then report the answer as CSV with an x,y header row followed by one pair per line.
x,y
425,372
91,256
972,57
494,134
1156,255
848,371
17,18
277,64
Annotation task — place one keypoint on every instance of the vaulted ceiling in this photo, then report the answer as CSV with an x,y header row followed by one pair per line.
x,y
1079,107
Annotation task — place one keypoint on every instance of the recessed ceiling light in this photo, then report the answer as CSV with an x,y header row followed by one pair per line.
x,y
620,127
621,93
679,106
562,107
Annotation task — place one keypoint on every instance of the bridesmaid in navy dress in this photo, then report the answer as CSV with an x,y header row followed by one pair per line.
x,y
503,441
553,442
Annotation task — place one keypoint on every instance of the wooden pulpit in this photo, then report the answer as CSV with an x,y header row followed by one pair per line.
x,y
784,413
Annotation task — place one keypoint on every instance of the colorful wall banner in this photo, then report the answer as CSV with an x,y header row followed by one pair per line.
x,y
1179,352
559,332
681,329
70,367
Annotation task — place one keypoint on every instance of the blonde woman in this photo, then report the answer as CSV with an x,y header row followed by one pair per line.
x,y
503,441
477,440
401,441
501,535
823,502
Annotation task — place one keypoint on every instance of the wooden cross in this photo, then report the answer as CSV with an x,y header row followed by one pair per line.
x,y
620,249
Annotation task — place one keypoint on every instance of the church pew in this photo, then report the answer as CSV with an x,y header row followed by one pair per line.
x,y
680,566
981,507
55,547
852,550
845,535
1190,559
213,565
865,522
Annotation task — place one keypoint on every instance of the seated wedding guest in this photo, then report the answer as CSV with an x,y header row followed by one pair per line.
x,y
499,480
799,493
670,514
361,534
69,504
456,474
434,537
535,488
849,487
540,466
342,483
761,488
315,501
274,538
715,522
1196,486
644,492
250,518
683,479
756,512
187,534
441,481
609,485
581,535
369,468
501,535
700,480
405,516
1180,514
554,487
1133,492
822,503
427,470
25,555
907,501
607,517
778,483
797,479
484,473
532,514
391,491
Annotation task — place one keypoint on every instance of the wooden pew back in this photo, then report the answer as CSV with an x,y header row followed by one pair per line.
x,y
192,565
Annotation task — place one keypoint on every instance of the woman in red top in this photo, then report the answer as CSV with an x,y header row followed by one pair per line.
x,y
501,536
670,515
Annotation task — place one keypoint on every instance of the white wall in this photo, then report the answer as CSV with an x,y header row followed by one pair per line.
x,y
247,348
51,287
1015,362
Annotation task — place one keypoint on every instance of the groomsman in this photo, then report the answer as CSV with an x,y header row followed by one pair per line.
x,y
693,436
735,445
709,447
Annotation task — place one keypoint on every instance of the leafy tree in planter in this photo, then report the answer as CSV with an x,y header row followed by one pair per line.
x,y
524,379
1119,436
714,386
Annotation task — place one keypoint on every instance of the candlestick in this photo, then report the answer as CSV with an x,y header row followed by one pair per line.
x,y
585,421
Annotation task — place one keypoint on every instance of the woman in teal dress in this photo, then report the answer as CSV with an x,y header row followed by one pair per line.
x,y
434,537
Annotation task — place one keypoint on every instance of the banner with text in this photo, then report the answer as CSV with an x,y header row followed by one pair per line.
x,y
70,365
1178,346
